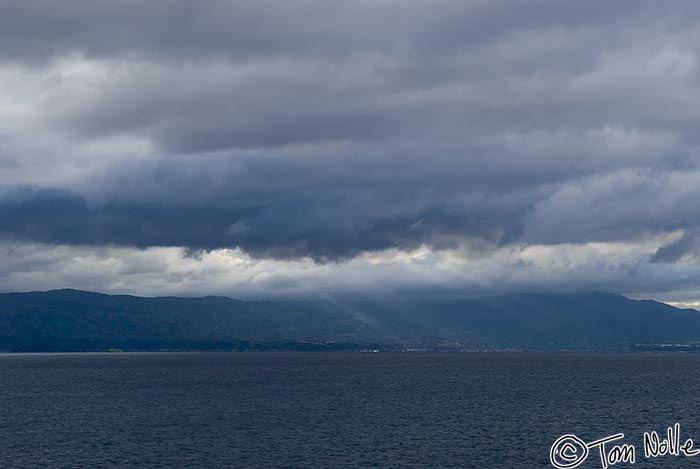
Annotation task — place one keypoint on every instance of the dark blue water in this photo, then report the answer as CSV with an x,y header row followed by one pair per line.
x,y
317,410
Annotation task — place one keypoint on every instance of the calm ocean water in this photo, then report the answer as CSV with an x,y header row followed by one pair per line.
x,y
318,410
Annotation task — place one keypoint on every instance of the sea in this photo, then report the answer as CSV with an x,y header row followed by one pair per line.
x,y
346,410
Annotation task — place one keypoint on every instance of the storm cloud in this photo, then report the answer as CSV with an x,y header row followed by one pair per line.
x,y
335,131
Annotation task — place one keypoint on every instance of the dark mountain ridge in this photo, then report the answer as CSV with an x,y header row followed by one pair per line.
x,y
73,320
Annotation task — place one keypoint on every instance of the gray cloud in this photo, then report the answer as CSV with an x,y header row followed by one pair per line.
x,y
176,29
332,129
294,226
674,251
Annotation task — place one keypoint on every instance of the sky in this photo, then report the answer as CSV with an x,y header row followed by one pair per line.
x,y
262,149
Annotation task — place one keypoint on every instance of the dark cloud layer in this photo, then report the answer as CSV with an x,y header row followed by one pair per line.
x,y
281,229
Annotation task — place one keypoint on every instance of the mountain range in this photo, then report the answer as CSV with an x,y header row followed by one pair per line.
x,y
72,320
